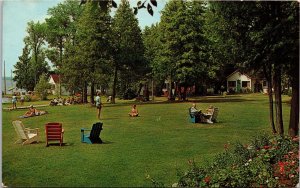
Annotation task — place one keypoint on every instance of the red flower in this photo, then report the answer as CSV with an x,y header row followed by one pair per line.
x,y
207,179
296,139
226,146
281,167
266,147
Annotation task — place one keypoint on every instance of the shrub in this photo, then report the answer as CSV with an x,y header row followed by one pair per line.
x,y
266,162
42,87
129,94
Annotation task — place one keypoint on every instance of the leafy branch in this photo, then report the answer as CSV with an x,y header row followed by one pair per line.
x,y
103,4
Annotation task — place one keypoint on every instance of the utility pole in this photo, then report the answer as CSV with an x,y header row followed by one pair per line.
x,y
4,80
11,79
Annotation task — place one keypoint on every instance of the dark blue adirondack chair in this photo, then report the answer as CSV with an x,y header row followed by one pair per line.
x,y
94,135
193,118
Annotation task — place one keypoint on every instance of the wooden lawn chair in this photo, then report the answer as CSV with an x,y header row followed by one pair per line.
x,y
26,135
215,115
54,132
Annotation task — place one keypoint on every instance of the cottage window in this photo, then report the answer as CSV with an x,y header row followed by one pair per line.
x,y
264,83
231,83
246,84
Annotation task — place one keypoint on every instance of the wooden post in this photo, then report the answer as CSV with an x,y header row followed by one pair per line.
x,y
4,80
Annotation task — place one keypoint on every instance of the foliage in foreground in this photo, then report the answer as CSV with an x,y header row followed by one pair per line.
x,y
266,162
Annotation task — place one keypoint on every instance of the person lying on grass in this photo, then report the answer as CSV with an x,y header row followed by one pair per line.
x,y
134,112
33,112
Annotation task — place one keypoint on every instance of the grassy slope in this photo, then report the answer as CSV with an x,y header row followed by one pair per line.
x,y
158,143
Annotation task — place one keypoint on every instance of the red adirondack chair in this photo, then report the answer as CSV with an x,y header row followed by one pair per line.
x,y
54,132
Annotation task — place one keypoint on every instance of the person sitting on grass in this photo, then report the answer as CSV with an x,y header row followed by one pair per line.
x,y
134,112
197,113
209,112
53,102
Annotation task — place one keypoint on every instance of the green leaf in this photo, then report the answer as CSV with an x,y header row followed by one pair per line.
x,y
135,10
139,3
82,2
153,2
114,4
149,8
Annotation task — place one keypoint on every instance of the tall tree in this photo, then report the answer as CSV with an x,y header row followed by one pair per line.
x,y
152,43
24,76
128,45
183,43
61,29
35,41
93,51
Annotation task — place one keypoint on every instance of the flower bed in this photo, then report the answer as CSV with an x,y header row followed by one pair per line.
x,y
266,162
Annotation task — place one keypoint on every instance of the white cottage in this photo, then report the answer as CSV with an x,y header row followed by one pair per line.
x,y
238,82
54,81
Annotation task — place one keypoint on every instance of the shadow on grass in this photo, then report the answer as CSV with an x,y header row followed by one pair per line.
x,y
107,142
57,144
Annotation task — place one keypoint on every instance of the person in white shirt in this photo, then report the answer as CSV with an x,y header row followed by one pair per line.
x,y
98,105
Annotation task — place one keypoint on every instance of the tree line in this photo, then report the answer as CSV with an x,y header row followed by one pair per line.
x,y
195,43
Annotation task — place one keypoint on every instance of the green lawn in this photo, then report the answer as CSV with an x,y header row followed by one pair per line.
x,y
158,143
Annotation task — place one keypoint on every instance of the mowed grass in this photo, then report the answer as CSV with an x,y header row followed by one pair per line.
x,y
158,143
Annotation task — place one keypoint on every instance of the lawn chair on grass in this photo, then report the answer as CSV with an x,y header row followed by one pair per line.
x,y
215,115
26,135
54,132
193,117
94,135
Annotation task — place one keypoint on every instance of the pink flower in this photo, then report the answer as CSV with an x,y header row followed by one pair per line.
x,y
291,175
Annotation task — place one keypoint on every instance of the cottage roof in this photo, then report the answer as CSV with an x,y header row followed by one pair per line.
x,y
55,77
237,71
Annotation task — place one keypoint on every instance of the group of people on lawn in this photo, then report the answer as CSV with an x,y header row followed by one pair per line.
x,y
133,113
62,101
206,117
14,100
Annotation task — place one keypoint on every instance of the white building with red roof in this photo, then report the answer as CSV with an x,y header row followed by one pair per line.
x,y
54,80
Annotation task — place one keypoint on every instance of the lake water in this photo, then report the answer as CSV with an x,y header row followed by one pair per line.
x,y
6,100
9,84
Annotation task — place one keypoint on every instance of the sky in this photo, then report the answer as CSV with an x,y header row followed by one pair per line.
x,y
17,13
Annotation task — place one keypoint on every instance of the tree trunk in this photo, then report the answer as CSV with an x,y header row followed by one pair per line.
x,y
268,76
113,101
184,93
85,93
60,60
170,96
92,93
278,101
294,112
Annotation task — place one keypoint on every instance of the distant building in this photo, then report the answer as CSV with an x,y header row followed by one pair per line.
x,y
55,82
241,83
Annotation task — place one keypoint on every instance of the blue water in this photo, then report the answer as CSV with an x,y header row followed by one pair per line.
x,y
6,100
9,84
